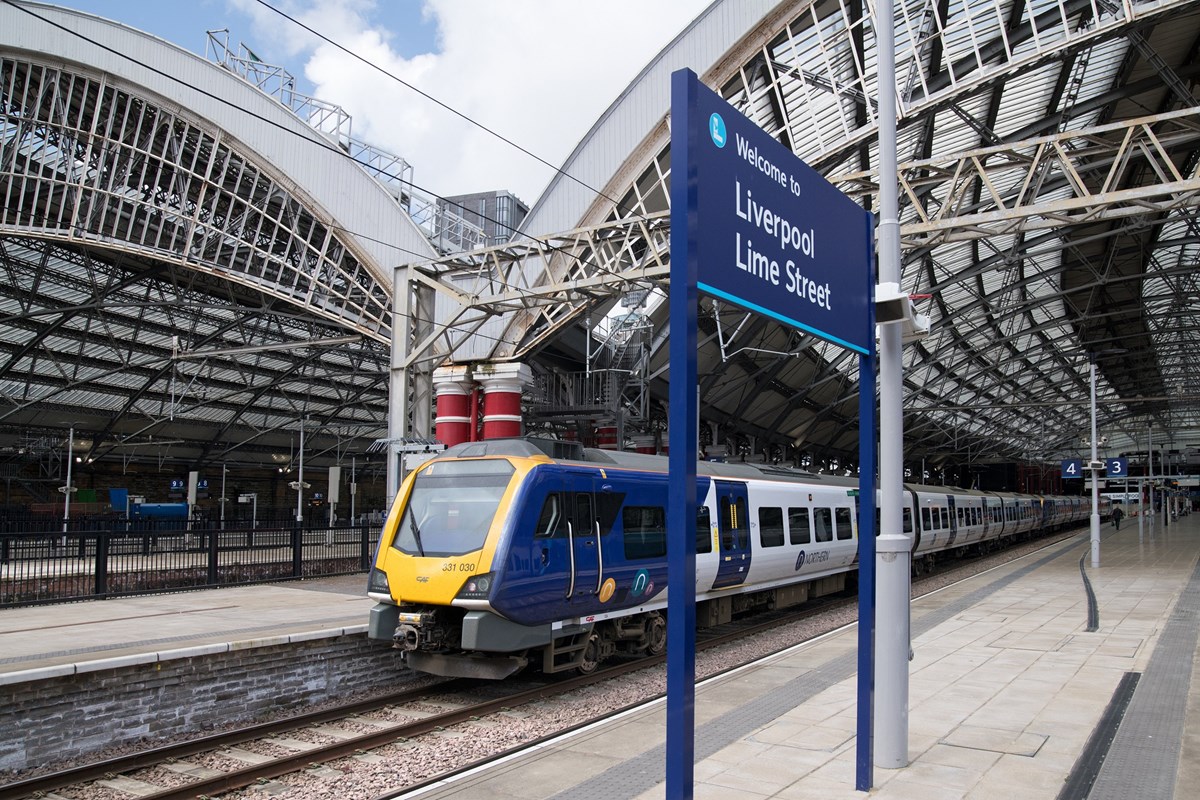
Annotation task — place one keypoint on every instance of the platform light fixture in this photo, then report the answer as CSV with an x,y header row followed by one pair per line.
x,y
893,305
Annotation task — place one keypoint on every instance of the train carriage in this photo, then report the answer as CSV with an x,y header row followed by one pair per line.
x,y
504,553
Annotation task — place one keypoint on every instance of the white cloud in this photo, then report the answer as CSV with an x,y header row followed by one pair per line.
x,y
537,72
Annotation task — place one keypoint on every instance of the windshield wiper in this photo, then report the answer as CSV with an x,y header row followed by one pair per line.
x,y
416,531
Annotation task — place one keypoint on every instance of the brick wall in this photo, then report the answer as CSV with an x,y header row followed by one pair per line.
x,y
43,722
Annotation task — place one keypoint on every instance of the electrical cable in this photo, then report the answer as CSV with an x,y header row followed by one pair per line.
x,y
443,105
330,147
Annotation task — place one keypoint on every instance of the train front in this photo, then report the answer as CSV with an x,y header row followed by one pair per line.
x,y
434,569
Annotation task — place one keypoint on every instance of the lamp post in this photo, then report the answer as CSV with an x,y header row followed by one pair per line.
x,y
1095,470
300,479
66,490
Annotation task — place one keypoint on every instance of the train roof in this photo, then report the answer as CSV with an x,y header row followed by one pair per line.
x,y
576,453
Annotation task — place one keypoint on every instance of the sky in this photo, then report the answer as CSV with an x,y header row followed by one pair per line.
x,y
538,72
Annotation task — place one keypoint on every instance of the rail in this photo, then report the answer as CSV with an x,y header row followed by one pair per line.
x,y
50,566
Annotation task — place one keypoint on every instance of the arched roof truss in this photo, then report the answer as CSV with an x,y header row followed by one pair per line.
x,y
1049,157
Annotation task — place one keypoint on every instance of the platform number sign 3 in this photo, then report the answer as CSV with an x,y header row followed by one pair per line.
x,y
1072,468
1116,467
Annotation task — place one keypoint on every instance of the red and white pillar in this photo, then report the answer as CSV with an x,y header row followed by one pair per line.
x,y
452,386
502,387
606,436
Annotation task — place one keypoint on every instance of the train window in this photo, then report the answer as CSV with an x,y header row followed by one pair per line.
x,y
961,517
727,518
585,520
907,521
798,526
926,519
742,524
735,531
450,510
770,527
703,530
845,528
937,519
645,531
945,518
550,522
823,524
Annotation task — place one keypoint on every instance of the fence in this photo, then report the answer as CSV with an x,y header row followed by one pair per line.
x,y
112,560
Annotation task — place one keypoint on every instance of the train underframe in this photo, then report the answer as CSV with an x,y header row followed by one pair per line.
x,y
453,642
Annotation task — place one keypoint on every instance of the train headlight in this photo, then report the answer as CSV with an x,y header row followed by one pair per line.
x,y
476,587
378,582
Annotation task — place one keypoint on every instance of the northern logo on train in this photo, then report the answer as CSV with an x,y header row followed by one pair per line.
x,y
607,590
800,561
642,584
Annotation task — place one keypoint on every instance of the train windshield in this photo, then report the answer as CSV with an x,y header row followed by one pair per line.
x,y
451,507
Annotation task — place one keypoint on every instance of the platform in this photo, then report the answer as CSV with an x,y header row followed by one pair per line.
x,y
37,641
1007,684
1007,688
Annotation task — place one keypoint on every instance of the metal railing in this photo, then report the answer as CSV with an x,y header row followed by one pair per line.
x,y
113,560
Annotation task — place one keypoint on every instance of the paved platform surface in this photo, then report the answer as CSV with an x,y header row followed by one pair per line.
x,y
1006,689
43,640
1007,686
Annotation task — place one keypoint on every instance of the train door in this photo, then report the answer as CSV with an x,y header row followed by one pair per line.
x,y
733,529
584,558
953,520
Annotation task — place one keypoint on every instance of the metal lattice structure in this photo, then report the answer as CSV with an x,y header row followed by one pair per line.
x,y
1049,185
169,289
178,269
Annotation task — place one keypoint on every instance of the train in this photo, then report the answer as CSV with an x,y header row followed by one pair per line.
x,y
508,553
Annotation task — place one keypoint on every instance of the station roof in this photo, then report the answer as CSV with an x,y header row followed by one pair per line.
x,y
1049,157
1049,181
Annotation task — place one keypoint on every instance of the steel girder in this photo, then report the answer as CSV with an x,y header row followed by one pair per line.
x,y
139,350
133,235
1026,173
88,161
1084,171
544,282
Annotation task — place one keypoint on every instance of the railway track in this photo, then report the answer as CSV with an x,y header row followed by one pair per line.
x,y
125,774
394,718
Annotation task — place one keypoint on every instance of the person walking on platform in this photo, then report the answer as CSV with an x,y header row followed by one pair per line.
x,y
1117,516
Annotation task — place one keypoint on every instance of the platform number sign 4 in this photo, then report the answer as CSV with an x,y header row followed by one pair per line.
x,y
1072,468
1116,467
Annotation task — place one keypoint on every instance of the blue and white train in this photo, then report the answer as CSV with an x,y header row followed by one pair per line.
x,y
497,555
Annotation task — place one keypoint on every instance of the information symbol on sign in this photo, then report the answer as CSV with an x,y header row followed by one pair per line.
x,y
716,129
1072,468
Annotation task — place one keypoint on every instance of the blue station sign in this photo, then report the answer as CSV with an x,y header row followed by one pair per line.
x,y
777,238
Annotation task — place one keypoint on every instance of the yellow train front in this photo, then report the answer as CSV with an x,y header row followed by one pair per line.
x,y
491,559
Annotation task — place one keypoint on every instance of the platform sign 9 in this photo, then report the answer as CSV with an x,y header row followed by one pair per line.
x,y
1116,467
1072,468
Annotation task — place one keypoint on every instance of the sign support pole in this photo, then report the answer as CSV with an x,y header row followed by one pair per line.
x,y
684,421
863,770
